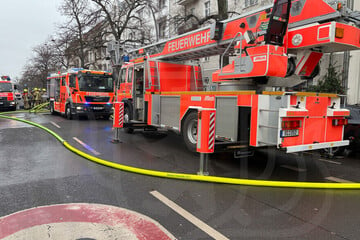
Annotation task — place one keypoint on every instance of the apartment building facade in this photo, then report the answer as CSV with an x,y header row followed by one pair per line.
x,y
353,79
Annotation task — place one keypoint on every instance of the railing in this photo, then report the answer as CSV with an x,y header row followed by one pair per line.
x,y
239,34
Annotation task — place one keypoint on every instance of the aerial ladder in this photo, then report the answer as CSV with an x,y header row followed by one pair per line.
x,y
275,46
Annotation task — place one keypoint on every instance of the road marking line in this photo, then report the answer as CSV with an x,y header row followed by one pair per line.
x,y
188,216
335,179
329,161
55,124
87,146
293,168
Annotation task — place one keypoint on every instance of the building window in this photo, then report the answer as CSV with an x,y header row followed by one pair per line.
x,y
141,13
162,28
207,8
249,3
176,23
103,52
90,56
161,4
192,11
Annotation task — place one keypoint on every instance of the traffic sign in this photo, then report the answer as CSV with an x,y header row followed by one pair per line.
x,y
80,221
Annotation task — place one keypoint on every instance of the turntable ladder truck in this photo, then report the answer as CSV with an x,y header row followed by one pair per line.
x,y
275,46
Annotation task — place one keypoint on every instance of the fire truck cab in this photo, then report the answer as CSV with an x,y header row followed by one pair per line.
x,y
139,81
80,92
7,94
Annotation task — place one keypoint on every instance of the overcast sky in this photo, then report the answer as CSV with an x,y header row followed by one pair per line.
x,y
24,24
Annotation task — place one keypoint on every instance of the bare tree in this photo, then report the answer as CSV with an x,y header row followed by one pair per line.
x,y
39,66
60,45
80,19
121,17
191,22
30,77
96,40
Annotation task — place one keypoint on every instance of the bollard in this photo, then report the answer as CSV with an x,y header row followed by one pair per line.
x,y
118,120
205,137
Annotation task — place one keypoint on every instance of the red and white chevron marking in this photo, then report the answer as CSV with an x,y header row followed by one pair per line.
x,y
121,114
212,131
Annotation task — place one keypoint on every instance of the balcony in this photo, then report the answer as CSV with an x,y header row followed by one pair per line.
x,y
185,2
187,28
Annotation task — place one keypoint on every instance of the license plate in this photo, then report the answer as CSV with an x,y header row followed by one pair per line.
x,y
289,133
98,108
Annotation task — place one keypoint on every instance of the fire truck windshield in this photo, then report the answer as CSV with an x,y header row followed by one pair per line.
x,y
96,83
5,87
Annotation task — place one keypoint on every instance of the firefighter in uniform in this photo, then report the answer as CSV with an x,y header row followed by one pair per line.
x,y
26,99
31,98
37,97
43,96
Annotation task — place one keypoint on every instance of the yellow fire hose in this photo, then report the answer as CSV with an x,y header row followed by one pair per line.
x,y
191,177
38,107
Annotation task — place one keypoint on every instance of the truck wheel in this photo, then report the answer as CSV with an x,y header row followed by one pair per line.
x,y
189,131
68,112
127,118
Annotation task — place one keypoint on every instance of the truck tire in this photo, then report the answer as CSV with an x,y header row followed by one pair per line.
x,y
68,114
127,118
189,130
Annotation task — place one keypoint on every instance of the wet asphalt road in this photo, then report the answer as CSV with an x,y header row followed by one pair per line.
x,y
36,170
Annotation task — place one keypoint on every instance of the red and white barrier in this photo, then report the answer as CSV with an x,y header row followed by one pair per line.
x,y
118,115
206,130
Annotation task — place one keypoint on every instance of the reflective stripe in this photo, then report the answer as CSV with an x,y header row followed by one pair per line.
x,y
121,113
212,131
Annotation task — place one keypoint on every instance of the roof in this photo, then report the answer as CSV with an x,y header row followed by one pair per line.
x,y
75,71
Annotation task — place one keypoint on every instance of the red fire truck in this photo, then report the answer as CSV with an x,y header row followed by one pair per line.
x,y
80,92
7,94
271,48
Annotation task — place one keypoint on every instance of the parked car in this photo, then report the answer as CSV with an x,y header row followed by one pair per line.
x,y
352,130
17,95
